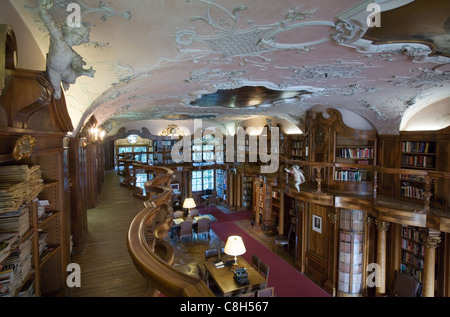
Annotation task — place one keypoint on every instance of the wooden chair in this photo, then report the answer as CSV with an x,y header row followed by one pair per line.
x,y
264,270
209,253
202,274
249,294
256,261
265,292
178,214
282,239
202,227
186,229
193,213
405,285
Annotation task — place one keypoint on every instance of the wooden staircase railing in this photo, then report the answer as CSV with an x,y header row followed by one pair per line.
x,y
151,255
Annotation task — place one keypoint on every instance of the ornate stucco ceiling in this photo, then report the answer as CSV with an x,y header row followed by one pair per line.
x,y
154,59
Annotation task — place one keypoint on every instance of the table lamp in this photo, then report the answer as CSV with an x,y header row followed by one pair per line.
x,y
189,203
234,247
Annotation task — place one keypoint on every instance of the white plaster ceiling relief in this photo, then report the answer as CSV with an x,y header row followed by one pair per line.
x,y
60,12
423,78
352,25
234,37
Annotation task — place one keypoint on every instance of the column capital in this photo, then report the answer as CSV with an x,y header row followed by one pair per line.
x,y
430,241
332,217
382,225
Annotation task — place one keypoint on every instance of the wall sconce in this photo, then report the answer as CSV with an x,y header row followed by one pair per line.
x,y
96,134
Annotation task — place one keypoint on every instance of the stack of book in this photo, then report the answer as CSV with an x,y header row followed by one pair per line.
x,y
18,183
16,269
17,222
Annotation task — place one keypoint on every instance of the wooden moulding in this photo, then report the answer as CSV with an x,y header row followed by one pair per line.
x,y
389,214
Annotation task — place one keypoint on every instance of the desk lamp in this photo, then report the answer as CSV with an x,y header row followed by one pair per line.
x,y
189,203
234,247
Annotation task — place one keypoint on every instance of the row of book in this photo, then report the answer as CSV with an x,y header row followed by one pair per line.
x,y
404,268
354,288
362,153
417,249
349,247
411,234
418,147
350,176
348,268
418,161
414,178
407,190
354,259
411,259
345,278
296,152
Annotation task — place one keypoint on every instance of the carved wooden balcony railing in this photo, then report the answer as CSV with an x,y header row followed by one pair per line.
x,y
386,205
152,256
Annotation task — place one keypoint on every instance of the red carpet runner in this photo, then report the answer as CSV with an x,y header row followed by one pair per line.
x,y
288,282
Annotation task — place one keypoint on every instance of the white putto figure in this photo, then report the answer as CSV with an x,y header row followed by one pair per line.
x,y
298,175
64,65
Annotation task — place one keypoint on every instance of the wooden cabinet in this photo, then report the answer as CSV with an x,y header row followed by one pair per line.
x,y
32,135
48,239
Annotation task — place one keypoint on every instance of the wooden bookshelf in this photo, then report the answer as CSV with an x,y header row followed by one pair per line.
x,y
247,192
356,152
420,155
221,186
413,251
295,149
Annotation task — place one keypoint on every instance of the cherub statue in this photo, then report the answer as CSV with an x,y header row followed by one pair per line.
x,y
298,175
64,65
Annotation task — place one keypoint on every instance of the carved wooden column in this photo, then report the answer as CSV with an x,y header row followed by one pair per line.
x,y
431,241
369,252
382,227
427,195
319,180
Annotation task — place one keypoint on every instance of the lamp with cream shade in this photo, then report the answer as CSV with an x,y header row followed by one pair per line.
x,y
234,247
189,203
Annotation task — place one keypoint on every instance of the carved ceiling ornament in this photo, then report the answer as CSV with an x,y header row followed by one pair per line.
x,y
352,26
60,12
232,39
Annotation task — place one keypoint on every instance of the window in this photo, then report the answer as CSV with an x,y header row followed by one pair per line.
x,y
208,179
197,181
202,180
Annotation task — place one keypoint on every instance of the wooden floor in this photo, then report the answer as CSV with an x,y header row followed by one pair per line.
x,y
106,266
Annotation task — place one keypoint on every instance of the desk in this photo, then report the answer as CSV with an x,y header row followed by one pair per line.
x,y
175,229
206,199
225,281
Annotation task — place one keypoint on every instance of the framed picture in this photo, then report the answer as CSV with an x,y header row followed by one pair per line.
x,y
175,188
317,223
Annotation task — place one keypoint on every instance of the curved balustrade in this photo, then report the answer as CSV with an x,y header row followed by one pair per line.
x,y
151,255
